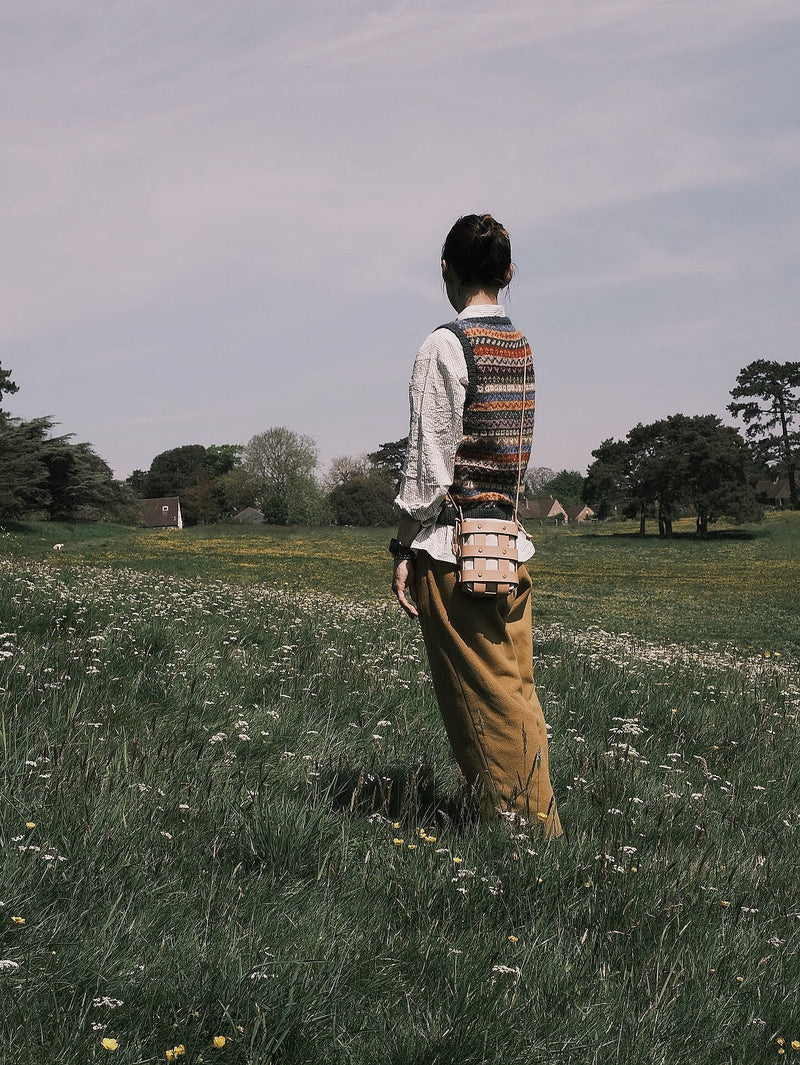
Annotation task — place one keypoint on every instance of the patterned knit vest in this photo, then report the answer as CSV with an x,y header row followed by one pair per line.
x,y
488,459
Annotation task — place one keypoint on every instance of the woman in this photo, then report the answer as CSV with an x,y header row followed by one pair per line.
x,y
471,387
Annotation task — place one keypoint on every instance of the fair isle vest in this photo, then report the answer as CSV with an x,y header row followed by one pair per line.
x,y
488,459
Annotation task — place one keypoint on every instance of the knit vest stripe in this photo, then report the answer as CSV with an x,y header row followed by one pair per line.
x,y
500,370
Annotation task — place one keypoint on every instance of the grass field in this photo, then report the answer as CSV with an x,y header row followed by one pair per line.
x,y
232,832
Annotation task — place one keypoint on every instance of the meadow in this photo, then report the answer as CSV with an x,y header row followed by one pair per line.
x,y
232,831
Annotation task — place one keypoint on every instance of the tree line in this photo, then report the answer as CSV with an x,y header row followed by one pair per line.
x,y
276,474
681,464
676,465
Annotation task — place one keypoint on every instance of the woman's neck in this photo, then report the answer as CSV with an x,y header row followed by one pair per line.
x,y
481,296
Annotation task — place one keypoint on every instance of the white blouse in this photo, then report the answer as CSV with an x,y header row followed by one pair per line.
x,y
437,393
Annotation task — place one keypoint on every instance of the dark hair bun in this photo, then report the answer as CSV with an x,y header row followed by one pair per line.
x,y
478,250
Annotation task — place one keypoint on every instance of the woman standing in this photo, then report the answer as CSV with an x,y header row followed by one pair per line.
x,y
471,388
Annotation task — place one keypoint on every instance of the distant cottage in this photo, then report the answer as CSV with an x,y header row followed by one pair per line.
x,y
249,516
775,493
543,510
581,512
162,513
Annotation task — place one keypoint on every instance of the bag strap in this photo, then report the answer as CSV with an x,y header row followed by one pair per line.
x,y
521,429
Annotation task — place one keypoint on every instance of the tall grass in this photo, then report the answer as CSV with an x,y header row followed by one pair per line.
x,y
228,809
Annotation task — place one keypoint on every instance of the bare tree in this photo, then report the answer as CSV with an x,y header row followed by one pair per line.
x,y
345,467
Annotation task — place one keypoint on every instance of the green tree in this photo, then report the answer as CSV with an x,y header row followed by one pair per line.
x,y
767,399
363,500
174,470
565,486
137,482
389,459
222,458
80,483
673,464
6,384
282,464
709,465
23,484
610,486
238,490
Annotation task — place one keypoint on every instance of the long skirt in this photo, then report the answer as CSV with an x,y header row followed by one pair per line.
x,y
481,658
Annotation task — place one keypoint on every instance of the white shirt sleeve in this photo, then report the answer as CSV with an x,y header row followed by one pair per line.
x,y
437,392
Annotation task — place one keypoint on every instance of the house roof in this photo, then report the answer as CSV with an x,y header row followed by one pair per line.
x,y
539,509
250,515
580,510
774,489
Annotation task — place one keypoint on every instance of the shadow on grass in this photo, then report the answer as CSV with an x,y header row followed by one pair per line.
x,y
684,537
397,792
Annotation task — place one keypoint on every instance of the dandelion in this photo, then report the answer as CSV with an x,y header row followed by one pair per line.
x,y
458,861
218,1041
30,824
110,1044
412,846
780,1040
18,920
398,842
796,1044
513,939
724,902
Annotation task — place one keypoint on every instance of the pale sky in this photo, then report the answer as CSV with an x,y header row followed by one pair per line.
x,y
220,216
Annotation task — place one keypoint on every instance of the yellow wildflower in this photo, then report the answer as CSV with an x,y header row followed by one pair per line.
x,y
412,846
796,1044
30,824
724,903
458,861
170,1055
780,1040
110,1044
398,842
18,920
513,939
218,1041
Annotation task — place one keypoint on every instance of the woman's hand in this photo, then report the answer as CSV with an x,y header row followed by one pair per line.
x,y
404,584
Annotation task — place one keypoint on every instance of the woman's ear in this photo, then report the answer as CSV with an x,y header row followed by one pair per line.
x,y
509,275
